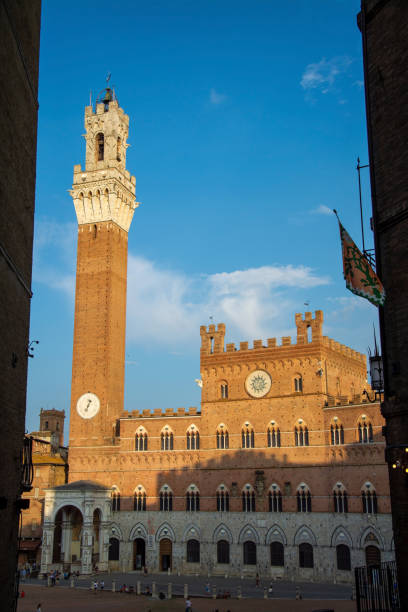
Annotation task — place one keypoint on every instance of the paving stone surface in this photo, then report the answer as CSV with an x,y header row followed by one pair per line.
x,y
64,599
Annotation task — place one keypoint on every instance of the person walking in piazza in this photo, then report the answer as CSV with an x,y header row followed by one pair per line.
x,y
189,606
39,608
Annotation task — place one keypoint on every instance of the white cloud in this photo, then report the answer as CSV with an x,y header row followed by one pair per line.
x,y
322,75
322,210
168,307
217,98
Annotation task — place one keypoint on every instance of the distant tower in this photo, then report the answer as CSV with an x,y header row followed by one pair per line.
x,y
52,424
104,199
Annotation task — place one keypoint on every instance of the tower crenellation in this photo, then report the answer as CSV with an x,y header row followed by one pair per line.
x,y
104,190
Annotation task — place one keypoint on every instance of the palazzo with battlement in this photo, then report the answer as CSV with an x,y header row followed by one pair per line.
x,y
281,470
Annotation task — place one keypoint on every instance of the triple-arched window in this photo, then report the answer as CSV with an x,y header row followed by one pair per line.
x,y
275,499
248,499
247,436
369,499
273,436
166,439
222,499
222,437
340,499
166,499
192,438
336,434
192,499
301,434
304,499
365,431
141,440
139,499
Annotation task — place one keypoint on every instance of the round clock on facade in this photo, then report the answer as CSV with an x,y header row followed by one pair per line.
x,y
88,405
258,383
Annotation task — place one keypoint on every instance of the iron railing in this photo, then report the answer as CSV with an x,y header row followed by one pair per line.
x,y
377,588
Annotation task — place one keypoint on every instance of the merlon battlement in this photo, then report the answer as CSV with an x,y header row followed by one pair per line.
x,y
309,331
159,413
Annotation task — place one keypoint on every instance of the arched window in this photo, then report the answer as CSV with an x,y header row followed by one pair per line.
x,y
305,555
336,433
340,500
222,437
248,499
343,557
113,554
373,556
222,499
301,434
167,439
192,439
298,383
249,553
115,495
369,499
139,500
46,426
275,499
247,436
273,436
118,148
224,390
223,551
304,499
365,430
166,499
193,551
141,440
192,499
277,554
100,147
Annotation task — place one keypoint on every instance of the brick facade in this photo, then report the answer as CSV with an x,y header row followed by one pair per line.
x,y
384,27
19,57
286,448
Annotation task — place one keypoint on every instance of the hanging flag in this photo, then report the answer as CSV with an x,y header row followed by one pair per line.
x,y
359,276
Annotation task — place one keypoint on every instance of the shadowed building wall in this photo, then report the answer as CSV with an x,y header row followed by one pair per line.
x,y
19,55
384,27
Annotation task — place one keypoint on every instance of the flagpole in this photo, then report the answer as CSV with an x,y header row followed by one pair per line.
x,y
361,200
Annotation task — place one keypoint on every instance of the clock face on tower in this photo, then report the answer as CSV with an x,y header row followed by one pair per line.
x,y
88,405
258,383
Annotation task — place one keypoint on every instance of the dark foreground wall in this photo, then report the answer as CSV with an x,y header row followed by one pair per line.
x,y
384,27
19,55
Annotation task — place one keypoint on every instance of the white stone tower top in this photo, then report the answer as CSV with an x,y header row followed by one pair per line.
x,y
105,190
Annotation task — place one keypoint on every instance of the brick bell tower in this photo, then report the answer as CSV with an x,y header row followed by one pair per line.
x,y
104,200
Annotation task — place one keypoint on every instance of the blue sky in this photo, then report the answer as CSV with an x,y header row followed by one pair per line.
x,y
246,119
